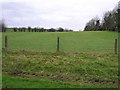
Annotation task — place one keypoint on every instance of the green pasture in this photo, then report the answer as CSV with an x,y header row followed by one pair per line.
x,y
27,69
85,60
69,41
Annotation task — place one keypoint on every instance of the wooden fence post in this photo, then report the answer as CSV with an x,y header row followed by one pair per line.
x,y
115,46
6,41
58,46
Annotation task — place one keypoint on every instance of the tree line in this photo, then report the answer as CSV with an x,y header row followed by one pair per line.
x,y
3,28
29,29
109,22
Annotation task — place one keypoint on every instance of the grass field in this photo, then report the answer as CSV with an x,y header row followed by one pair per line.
x,y
69,41
86,60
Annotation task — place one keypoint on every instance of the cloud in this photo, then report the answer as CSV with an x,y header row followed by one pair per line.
x,y
73,14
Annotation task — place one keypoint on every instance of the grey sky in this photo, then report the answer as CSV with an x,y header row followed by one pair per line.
x,y
71,14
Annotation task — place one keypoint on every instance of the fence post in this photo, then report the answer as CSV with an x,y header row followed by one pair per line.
x,y
58,46
6,41
115,46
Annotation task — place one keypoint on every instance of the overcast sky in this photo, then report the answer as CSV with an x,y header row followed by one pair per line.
x,y
71,14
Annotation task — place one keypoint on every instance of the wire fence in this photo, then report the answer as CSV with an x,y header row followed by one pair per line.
x,y
60,44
